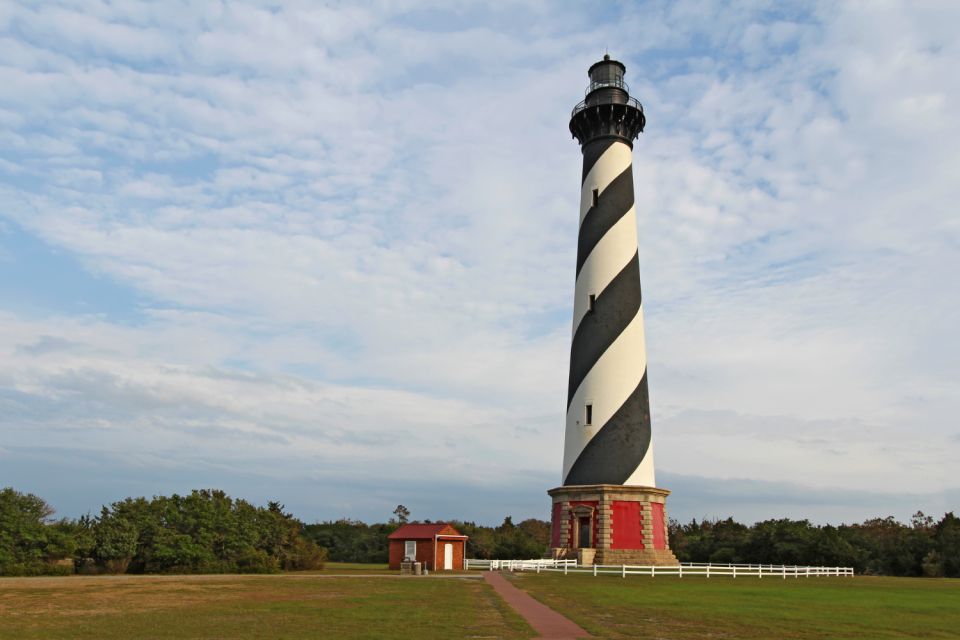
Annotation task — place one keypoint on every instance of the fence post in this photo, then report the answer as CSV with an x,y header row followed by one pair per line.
x,y
708,570
565,569
681,571
594,570
623,571
734,571
538,569
784,572
653,571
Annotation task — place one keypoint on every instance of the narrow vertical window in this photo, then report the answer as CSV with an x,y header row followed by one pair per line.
x,y
591,302
588,419
596,196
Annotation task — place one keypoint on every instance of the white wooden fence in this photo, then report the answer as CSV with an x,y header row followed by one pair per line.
x,y
701,569
517,565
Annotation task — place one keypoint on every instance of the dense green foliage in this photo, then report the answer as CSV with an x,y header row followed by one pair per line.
x,y
352,540
529,539
203,532
880,546
29,543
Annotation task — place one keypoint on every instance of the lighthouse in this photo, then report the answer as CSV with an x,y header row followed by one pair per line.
x,y
608,509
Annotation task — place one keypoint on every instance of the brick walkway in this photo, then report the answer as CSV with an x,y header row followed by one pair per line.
x,y
547,622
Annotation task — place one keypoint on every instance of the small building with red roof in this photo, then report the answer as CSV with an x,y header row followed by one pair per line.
x,y
438,546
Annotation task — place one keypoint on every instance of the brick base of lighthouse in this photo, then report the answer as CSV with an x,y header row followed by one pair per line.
x,y
611,524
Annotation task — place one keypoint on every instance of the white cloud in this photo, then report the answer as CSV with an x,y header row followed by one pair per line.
x,y
352,234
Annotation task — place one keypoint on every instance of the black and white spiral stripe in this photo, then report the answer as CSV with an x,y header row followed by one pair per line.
x,y
608,360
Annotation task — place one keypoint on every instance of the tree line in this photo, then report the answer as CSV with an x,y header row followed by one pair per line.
x,y
879,546
206,531
203,532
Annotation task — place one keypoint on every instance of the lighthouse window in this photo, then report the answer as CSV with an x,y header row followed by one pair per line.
x,y
596,196
591,302
588,419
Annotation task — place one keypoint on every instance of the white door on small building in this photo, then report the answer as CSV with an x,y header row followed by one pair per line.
x,y
410,549
447,556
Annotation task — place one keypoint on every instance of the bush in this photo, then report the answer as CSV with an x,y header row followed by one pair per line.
x,y
932,565
257,561
28,569
305,555
88,567
115,542
30,545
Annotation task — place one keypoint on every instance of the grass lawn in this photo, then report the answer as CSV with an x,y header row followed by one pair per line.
x,y
282,606
354,567
859,607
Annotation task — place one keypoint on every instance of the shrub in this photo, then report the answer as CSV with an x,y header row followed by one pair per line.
x,y
257,561
932,565
305,555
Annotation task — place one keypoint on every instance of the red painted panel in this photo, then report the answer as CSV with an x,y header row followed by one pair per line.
x,y
627,525
659,535
555,521
396,553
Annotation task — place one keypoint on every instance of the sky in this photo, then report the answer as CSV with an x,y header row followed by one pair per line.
x,y
325,254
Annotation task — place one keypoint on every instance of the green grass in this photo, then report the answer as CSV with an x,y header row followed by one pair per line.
x,y
319,605
283,606
355,567
860,607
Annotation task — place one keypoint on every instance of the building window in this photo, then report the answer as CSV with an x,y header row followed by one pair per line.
x,y
591,302
596,197
410,549
588,418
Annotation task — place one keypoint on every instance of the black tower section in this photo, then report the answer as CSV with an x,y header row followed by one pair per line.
x,y
607,111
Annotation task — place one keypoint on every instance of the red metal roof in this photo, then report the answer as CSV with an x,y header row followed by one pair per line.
x,y
419,531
